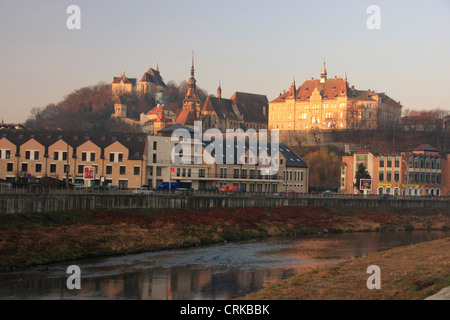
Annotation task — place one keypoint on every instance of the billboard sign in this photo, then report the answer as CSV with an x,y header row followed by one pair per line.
x,y
365,184
89,173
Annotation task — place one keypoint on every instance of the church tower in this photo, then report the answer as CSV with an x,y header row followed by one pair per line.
x,y
191,100
323,73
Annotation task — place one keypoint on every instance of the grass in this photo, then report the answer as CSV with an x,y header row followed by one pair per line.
x,y
407,273
33,239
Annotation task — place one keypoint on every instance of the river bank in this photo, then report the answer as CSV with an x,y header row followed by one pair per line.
x,y
414,272
36,239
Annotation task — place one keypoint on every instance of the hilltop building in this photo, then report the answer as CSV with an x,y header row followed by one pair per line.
x,y
332,104
241,111
123,85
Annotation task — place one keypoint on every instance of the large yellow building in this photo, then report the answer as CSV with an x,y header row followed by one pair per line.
x,y
328,104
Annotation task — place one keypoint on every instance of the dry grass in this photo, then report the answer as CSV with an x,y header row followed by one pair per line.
x,y
27,240
407,273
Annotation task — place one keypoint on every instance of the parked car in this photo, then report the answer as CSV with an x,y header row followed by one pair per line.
x,y
100,188
146,186
168,186
212,189
387,196
290,193
112,187
327,193
228,188
143,190
182,191
78,186
240,190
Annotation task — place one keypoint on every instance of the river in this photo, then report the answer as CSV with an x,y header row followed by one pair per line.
x,y
215,272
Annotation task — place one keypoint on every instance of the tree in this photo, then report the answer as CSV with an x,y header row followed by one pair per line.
x,y
361,173
324,169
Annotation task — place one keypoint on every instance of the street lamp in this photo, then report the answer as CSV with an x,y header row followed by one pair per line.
x,y
407,177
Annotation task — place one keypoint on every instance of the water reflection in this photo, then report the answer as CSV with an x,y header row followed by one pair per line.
x,y
214,272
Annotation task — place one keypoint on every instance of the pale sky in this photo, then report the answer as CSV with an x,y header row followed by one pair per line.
x,y
250,46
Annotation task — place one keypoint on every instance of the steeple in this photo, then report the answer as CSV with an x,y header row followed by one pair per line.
x,y
219,91
192,87
323,73
292,89
345,77
157,67
123,72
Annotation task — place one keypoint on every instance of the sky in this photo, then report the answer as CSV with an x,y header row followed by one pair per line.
x,y
249,46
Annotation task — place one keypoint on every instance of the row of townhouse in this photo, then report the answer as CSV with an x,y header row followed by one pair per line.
x,y
418,172
118,159
132,160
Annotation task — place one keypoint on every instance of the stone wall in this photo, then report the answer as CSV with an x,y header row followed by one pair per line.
x,y
23,203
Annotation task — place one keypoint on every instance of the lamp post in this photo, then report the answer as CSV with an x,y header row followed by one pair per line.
x,y
407,178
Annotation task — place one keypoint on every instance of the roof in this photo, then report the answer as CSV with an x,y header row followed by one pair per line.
x,y
426,147
134,142
252,107
174,127
363,151
292,159
185,117
125,80
222,107
153,76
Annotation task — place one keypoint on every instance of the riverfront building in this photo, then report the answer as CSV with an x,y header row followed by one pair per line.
x,y
117,159
130,160
419,172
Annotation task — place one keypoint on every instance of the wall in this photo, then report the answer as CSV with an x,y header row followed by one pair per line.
x,y
21,203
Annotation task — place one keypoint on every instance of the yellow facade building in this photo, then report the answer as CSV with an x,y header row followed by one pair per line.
x,y
328,104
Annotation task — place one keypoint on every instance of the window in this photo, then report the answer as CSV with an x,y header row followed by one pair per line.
x,y
154,145
84,156
38,167
92,156
66,168
158,171
80,169
236,173
137,171
111,157
120,157
108,169
64,155
56,155
243,173
388,176
36,155
438,178
396,176
9,167
27,155
52,168
389,162
201,173
24,167
154,158
381,176
422,177
397,161
381,164
122,170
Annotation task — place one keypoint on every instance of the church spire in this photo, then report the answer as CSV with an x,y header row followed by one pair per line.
x,y
323,73
292,89
157,67
219,91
